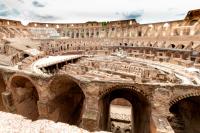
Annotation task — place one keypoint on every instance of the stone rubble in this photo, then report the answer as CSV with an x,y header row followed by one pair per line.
x,y
13,123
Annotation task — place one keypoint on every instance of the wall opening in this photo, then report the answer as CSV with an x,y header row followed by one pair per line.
x,y
68,103
139,33
25,97
186,115
172,46
25,56
120,115
140,110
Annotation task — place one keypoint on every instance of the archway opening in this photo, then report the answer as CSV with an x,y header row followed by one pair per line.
x,y
2,89
25,56
120,115
186,115
67,105
25,97
140,120
172,46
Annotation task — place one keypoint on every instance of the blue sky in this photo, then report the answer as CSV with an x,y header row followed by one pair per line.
x,y
144,11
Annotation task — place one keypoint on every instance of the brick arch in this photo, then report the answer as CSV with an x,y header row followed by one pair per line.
x,y
179,98
140,103
65,92
128,87
55,77
23,76
172,44
180,46
155,44
25,95
185,113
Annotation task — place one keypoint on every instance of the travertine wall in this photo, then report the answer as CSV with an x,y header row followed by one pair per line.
x,y
157,97
77,100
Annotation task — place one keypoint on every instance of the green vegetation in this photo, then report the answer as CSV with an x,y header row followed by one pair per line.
x,y
104,23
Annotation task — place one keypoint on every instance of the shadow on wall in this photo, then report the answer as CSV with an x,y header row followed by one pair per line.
x,y
25,97
141,110
68,103
186,115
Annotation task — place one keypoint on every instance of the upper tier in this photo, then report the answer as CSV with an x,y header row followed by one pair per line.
x,y
191,16
113,29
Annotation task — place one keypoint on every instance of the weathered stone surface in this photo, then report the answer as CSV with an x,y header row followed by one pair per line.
x,y
74,77
12,123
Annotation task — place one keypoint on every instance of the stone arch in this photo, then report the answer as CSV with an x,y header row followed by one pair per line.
x,y
141,107
162,44
137,44
25,96
155,45
189,45
149,44
67,100
2,89
172,45
179,98
180,46
186,113
133,88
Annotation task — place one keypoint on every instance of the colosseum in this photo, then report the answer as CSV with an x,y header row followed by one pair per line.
x,y
115,76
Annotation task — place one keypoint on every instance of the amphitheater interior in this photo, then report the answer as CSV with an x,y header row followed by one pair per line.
x,y
116,76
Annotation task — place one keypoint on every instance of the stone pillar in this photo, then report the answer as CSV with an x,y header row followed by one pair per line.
x,y
80,33
43,109
90,119
75,32
8,101
91,112
161,125
94,33
160,111
70,34
89,33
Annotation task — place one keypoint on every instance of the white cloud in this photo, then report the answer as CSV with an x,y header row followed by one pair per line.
x,y
100,10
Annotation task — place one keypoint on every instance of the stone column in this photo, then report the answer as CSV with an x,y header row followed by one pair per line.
x,y
160,110
85,33
91,112
70,34
8,101
75,32
161,125
43,108
89,33
90,118
79,33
